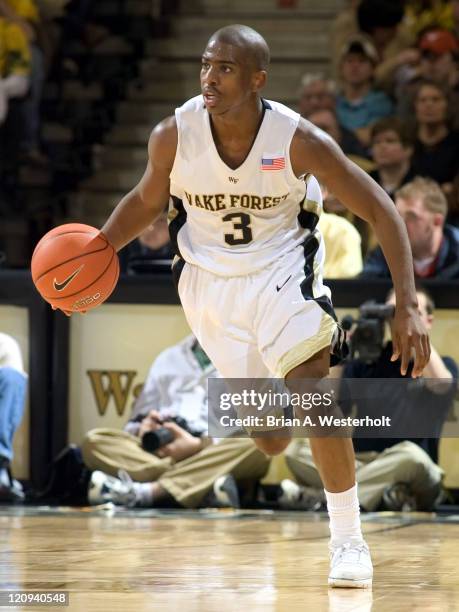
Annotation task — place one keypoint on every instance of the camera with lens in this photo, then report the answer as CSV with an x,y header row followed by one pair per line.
x,y
153,440
367,340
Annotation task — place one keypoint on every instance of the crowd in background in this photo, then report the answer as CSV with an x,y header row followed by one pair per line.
x,y
390,100
54,54
33,38
35,41
392,105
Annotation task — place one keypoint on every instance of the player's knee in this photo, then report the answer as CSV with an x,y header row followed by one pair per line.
x,y
89,445
272,446
317,367
316,371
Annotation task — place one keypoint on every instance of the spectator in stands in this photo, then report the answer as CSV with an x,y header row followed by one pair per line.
x,y
342,244
343,27
333,206
149,251
380,21
316,93
359,105
422,15
25,14
327,121
14,64
13,384
439,54
394,474
436,148
188,468
438,62
392,149
435,245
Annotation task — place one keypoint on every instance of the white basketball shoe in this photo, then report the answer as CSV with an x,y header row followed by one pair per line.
x,y
104,488
350,566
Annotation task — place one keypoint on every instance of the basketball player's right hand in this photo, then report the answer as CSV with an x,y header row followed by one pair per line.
x,y
68,313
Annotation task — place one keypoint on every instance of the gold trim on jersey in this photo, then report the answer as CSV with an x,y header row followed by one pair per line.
x,y
173,212
312,206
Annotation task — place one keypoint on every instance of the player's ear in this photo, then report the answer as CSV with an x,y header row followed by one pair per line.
x,y
259,80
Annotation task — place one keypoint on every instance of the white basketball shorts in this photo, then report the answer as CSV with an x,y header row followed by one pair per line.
x,y
264,324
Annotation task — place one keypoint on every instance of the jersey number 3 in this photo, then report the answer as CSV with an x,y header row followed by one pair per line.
x,y
241,223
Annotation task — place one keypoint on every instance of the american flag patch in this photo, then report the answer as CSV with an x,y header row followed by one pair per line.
x,y
272,163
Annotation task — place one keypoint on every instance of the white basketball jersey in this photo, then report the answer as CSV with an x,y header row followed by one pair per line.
x,y
236,222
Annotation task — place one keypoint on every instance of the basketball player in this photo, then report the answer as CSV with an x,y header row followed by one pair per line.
x,y
245,204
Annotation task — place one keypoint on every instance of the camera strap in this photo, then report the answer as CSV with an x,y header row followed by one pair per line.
x,y
200,355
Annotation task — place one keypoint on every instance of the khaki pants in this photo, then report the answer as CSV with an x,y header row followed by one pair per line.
x,y
404,462
187,481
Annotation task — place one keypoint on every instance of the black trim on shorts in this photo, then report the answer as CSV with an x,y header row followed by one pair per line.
x,y
340,348
177,223
310,248
309,220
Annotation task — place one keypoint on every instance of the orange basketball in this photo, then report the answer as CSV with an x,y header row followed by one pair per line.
x,y
74,267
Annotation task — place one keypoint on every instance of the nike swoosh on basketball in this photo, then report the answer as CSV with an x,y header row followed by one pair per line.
x,y
67,281
284,283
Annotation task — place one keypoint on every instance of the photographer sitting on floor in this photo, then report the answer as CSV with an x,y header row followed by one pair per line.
x,y
163,456
391,473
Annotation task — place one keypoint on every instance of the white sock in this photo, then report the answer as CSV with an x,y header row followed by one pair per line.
x,y
143,494
344,513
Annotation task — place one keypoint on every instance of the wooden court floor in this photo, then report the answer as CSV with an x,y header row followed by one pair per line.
x,y
222,561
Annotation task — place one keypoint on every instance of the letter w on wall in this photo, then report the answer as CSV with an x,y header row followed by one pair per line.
x,y
111,383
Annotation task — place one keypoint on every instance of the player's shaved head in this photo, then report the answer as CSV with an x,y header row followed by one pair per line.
x,y
249,41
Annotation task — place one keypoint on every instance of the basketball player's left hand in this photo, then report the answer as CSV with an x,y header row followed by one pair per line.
x,y
182,446
410,335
